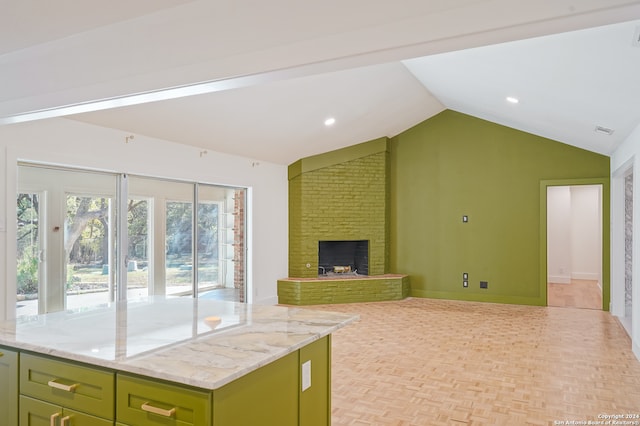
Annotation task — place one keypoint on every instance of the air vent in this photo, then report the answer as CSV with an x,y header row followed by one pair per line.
x,y
604,130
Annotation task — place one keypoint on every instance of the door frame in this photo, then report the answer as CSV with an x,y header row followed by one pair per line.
x,y
618,252
606,233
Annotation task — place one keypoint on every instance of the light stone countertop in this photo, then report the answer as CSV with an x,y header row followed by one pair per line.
x,y
168,338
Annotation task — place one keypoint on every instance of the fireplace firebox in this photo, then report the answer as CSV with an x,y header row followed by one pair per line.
x,y
343,257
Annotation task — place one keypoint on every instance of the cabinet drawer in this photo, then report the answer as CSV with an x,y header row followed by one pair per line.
x,y
142,402
34,412
90,390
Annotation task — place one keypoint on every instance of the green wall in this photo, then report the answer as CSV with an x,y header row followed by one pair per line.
x,y
453,165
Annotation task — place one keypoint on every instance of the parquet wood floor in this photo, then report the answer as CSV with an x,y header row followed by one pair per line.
x,y
577,294
436,362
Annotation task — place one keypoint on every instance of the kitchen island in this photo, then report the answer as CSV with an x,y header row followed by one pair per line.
x,y
169,361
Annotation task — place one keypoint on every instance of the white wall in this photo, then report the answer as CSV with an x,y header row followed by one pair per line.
x,y
559,234
574,233
586,232
70,143
626,156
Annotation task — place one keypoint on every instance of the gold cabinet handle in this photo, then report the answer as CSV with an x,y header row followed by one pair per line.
x,y
155,410
64,420
56,385
1,354
52,419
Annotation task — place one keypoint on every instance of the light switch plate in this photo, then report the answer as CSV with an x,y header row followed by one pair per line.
x,y
306,375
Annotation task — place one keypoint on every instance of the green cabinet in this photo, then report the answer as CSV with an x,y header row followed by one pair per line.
x,y
151,402
34,412
294,390
9,387
315,383
266,397
291,391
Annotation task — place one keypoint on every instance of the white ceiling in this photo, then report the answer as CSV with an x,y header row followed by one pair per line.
x,y
271,72
566,84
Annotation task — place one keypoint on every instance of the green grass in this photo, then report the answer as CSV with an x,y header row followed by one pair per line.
x,y
93,277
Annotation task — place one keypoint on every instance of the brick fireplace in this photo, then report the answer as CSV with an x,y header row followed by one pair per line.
x,y
340,197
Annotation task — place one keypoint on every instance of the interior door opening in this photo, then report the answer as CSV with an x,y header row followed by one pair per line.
x,y
574,246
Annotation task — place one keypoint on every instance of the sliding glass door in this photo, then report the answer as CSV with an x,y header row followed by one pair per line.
x,y
64,246
66,238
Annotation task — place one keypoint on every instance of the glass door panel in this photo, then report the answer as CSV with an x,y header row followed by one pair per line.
x,y
211,201
179,248
87,248
160,237
221,243
29,255
138,253
208,254
145,275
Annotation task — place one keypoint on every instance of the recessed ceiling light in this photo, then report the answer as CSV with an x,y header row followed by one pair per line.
x,y
512,100
329,121
604,130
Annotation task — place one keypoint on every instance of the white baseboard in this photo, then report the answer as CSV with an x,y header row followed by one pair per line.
x,y
559,279
593,276
626,324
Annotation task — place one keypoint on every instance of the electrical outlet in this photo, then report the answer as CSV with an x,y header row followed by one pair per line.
x,y
484,284
306,375
465,276
465,219
465,284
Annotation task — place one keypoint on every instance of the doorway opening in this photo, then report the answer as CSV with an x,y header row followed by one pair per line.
x,y
574,246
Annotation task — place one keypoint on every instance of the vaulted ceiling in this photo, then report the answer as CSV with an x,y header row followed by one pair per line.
x,y
258,78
